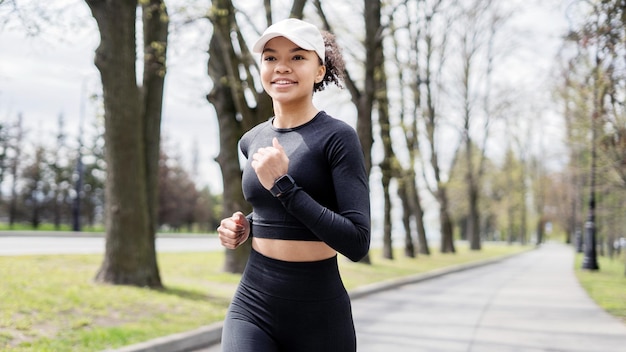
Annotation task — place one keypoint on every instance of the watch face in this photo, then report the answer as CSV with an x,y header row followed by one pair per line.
x,y
282,185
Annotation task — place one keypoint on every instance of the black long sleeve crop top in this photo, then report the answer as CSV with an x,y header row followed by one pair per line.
x,y
330,201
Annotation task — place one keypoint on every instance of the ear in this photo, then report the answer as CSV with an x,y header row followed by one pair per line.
x,y
321,71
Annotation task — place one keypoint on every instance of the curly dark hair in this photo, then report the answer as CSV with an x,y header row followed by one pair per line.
x,y
335,65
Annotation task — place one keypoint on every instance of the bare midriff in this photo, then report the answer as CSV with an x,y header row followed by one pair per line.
x,y
293,251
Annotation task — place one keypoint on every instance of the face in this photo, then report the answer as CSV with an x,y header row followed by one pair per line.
x,y
289,72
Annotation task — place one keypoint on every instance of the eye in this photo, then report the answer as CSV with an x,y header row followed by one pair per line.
x,y
298,57
269,58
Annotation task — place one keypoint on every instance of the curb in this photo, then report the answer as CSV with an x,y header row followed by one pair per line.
x,y
185,341
210,335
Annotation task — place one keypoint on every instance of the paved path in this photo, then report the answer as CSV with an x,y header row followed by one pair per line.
x,y
529,303
13,244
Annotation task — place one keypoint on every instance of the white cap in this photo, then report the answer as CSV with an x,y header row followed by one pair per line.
x,y
303,34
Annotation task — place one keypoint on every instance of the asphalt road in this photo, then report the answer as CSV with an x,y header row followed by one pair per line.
x,y
68,243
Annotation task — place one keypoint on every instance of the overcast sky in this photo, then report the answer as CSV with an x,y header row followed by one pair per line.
x,y
43,76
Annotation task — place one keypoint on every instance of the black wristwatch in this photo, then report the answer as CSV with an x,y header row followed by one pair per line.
x,y
282,184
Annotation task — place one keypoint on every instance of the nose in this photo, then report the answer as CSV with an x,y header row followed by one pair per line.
x,y
282,67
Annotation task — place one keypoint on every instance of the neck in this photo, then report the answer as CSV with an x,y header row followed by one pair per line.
x,y
289,117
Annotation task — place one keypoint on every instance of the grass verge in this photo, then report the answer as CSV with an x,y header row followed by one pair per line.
x,y
50,303
607,286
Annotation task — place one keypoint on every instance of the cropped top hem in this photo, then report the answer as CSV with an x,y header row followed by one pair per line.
x,y
283,233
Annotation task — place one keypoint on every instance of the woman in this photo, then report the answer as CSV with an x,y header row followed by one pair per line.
x,y
306,181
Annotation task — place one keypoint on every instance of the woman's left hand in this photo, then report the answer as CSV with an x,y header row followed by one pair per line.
x,y
270,163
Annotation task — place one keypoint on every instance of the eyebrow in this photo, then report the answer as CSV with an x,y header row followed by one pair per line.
x,y
296,49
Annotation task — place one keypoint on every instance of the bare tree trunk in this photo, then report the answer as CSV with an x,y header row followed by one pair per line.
x,y
387,240
233,113
155,32
418,213
473,225
430,81
388,165
482,22
132,117
16,145
445,222
409,248
230,133
441,192
364,100
473,217
407,180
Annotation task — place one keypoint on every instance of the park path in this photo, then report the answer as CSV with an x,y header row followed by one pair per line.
x,y
530,302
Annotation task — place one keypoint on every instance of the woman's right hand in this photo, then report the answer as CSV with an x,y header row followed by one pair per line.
x,y
234,231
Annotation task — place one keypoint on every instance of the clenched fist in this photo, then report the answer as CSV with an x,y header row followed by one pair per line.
x,y
270,163
234,231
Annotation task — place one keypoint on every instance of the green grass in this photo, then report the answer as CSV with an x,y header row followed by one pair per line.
x,y
607,286
50,303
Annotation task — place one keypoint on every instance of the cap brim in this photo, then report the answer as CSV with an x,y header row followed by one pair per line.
x,y
260,43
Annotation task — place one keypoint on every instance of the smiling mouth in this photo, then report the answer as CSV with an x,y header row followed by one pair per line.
x,y
283,82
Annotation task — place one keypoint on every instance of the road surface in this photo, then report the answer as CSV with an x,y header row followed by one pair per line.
x,y
12,244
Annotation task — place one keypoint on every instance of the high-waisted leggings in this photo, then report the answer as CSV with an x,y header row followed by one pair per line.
x,y
290,307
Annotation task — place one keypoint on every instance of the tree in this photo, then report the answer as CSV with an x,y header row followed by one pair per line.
x,y
516,200
36,185
177,195
573,104
4,152
434,58
61,174
208,210
91,194
478,22
132,136
364,98
405,25
17,139
379,80
229,61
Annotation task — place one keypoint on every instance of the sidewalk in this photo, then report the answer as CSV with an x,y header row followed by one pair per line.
x,y
531,302
528,303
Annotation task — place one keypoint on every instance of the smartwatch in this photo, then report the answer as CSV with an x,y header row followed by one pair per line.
x,y
282,184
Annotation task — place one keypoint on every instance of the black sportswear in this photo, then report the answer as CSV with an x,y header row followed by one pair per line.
x,y
330,201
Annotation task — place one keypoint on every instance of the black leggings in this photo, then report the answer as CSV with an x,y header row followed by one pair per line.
x,y
291,307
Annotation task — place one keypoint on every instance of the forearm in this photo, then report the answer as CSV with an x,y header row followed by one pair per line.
x,y
348,232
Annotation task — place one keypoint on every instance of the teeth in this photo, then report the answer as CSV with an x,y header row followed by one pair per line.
x,y
282,82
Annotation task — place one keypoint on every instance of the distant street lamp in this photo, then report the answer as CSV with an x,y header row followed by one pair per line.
x,y
590,261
